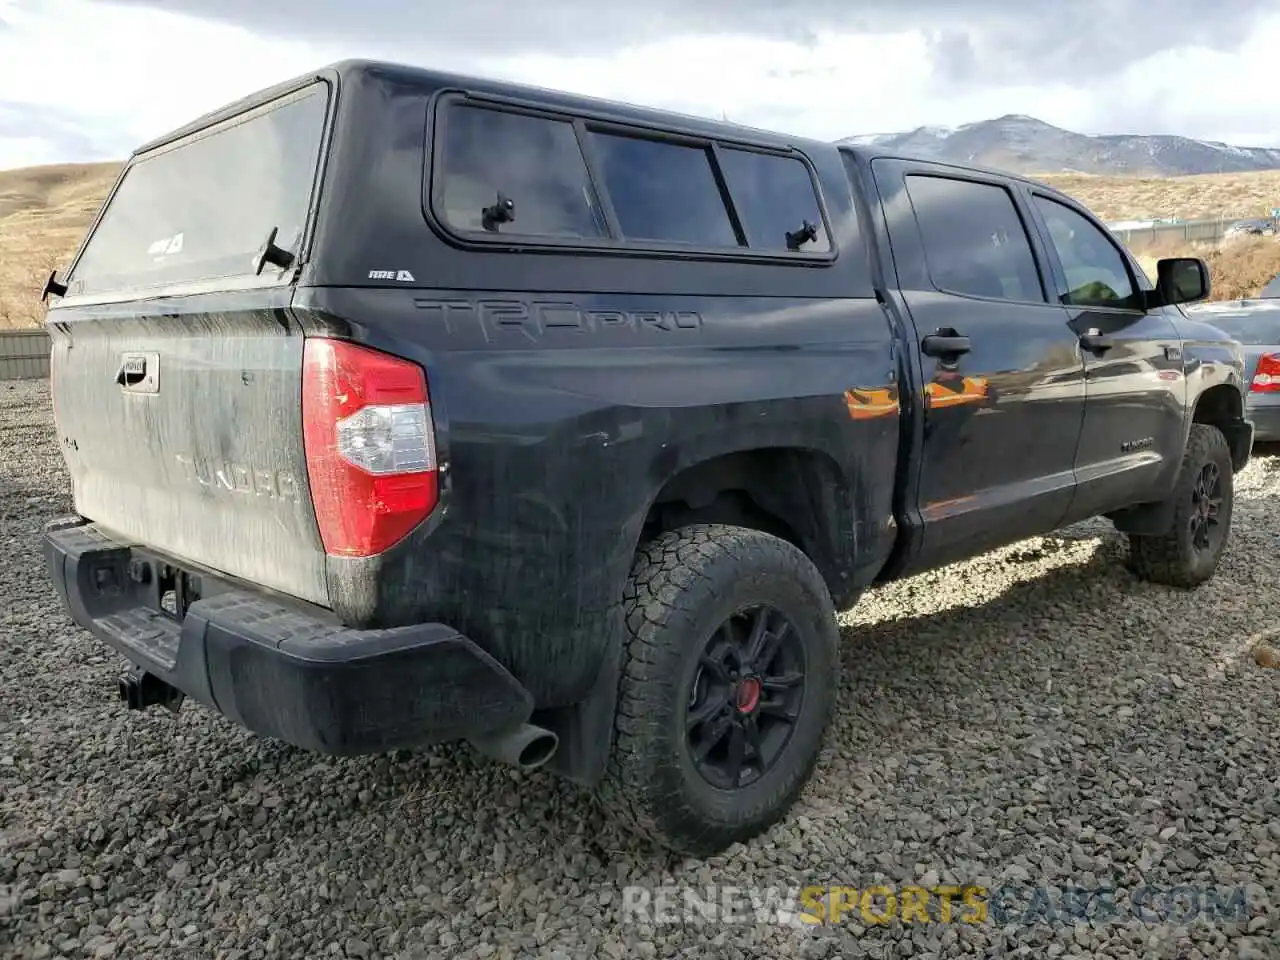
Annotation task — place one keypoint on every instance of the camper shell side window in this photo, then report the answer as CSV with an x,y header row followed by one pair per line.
x,y
517,175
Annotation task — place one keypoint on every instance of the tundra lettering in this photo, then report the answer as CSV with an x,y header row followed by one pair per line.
x,y
239,478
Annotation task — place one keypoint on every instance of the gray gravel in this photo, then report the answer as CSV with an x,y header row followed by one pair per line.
x,y
1033,717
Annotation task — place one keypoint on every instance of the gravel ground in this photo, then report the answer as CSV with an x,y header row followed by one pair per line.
x,y
1033,718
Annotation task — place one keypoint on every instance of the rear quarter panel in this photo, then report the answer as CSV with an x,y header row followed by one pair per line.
x,y
554,443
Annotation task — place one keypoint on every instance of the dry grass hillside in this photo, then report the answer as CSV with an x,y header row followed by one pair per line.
x,y
45,210
43,214
1238,270
1189,198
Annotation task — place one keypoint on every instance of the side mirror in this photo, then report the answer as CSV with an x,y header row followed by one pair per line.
x,y
1181,280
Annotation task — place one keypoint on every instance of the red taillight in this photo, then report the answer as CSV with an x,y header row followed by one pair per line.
x,y
371,457
1266,377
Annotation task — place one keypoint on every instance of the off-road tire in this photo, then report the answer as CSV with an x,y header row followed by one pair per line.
x,y
1172,558
684,584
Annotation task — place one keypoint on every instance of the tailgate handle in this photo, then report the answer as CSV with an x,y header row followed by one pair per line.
x,y
139,372
130,378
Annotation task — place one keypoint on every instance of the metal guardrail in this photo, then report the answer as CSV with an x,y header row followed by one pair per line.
x,y
1187,231
24,354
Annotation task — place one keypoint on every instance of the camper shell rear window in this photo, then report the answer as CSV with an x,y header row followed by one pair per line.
x,y
202,208
512,174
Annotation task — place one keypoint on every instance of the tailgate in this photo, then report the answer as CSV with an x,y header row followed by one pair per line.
x,y
184,434
176,370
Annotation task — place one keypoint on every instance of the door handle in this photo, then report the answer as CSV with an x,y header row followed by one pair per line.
x,y
945,343
1093,341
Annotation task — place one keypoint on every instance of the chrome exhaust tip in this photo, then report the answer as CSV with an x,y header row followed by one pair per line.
x,y
526,746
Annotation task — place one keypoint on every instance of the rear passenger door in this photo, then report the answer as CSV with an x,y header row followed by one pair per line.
x,y
1133,423
1002,377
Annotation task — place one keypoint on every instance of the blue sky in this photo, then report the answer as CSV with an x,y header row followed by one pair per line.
x,y
87,79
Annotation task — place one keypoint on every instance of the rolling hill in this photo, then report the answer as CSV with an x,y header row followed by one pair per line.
x,y
44,211
1027,145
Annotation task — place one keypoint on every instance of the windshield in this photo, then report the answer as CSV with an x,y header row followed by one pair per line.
x,y
201,210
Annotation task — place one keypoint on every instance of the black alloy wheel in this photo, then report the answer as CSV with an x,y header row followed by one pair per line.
x,y
1206,501
745,697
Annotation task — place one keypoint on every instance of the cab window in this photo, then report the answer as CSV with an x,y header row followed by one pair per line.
x,y
974,241
1095,271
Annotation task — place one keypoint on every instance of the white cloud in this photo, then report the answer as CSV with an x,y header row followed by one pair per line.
x,y
28,152
129,73
841,85
817,90
1205,93
135,72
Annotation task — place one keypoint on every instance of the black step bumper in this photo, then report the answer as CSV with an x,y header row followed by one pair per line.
x,y
280,668
1264,411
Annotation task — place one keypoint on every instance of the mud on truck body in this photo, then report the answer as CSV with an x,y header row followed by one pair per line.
x,y
403,407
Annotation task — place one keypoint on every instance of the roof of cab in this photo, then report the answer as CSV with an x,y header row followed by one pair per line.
x,y
871,152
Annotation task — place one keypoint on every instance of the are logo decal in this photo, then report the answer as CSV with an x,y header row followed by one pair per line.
x,y
403,276
165,246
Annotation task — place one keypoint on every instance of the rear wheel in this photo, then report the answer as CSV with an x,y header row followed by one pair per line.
x,y
1189,553
729,677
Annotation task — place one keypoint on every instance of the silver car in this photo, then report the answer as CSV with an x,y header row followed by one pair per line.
x,y
1255,323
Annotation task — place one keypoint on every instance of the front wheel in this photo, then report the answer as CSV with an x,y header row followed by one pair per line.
x,y
728,682
1189,553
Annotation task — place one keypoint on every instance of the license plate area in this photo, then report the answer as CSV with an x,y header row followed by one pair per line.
x,y
165,587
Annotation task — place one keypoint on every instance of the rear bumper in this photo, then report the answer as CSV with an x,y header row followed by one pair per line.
x,y
1265,414
283,669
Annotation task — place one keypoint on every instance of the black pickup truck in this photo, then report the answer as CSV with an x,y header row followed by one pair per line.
x,y
403,407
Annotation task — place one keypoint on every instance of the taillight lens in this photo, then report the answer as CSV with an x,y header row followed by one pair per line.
x,y
371,456
1266,377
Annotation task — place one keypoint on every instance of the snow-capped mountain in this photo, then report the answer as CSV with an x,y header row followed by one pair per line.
x,y
1027,145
